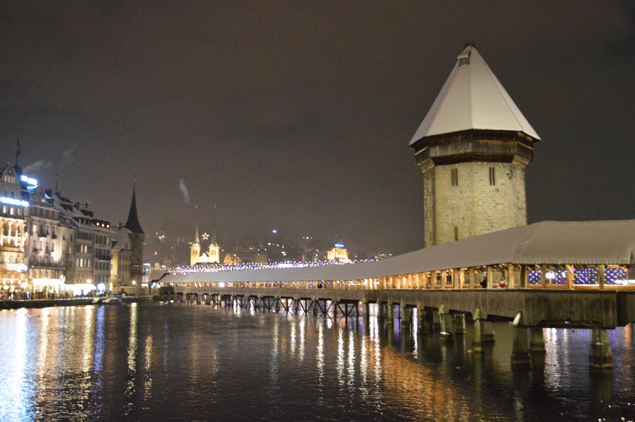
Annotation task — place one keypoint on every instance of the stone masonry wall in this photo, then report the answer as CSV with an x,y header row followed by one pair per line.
x,y
474,206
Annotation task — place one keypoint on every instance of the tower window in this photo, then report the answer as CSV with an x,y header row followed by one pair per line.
x,y
456,233
492,176
454,177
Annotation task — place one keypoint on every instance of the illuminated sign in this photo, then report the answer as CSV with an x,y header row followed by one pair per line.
x,y
28,180
339,246
13,201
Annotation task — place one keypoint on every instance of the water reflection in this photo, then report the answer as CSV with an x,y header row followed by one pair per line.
x,y
196,362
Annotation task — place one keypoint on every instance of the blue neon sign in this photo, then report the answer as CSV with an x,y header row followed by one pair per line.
x,y
13,201
28,180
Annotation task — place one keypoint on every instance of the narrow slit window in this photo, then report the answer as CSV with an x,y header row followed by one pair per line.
x,y
456,233
454,177
492,176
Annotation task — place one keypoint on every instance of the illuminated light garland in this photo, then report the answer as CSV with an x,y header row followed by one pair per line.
x,y
586,276
214,268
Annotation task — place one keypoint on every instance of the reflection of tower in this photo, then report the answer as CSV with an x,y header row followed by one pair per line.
x,y
473,147
195,249
214,249
138,237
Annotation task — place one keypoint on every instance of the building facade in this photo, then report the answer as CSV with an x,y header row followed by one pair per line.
x,y
13,235
473,147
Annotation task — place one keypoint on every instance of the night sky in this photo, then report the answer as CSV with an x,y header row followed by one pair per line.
x,y
297,115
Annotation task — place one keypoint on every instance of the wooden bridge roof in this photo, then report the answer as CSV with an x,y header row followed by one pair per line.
x,y
547,242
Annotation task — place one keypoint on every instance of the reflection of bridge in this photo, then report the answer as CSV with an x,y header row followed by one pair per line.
x,y
546,274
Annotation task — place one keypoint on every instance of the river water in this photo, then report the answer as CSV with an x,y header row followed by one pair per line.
x,y
145,362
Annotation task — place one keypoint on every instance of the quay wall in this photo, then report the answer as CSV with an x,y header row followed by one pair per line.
x,y
47,303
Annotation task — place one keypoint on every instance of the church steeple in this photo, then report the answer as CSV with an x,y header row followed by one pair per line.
x,y
214,241
133,220
196,239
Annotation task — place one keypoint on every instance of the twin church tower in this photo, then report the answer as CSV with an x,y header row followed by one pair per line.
x,y
473,147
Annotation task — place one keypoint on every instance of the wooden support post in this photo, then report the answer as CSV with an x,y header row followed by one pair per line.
x,y
570,276
523,276
472,277
490,277
444,277
543,276
381,310
455,279
477,343
511,271
461,278
406,314
459,324
601,276
389,312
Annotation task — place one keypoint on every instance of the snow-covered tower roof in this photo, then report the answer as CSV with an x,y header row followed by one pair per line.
x,y
472,98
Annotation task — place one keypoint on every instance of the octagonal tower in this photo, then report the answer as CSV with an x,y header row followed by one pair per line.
x,y
473,147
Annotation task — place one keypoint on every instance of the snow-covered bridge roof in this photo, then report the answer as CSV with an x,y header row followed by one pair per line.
x,y
547,242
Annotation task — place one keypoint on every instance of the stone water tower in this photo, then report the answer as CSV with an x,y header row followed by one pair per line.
x,y
473,147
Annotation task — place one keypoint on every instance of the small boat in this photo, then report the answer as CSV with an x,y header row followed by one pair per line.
x,y
112,301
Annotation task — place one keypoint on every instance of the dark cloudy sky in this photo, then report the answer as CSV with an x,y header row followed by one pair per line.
x,y
296,115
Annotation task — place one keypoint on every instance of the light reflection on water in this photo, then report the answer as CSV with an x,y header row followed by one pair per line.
x,y
143,362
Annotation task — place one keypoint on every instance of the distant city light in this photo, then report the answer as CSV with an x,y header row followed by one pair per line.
x,y
13,201
275,231
28,180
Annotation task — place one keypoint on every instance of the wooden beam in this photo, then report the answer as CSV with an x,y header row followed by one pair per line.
x,y
601,276
511,275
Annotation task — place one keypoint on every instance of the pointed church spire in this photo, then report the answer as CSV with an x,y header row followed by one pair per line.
x,y
214,242
196,239
133,220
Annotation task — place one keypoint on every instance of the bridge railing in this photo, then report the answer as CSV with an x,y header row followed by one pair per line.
x,y
502,276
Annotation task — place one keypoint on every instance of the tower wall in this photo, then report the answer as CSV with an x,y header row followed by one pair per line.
x,y
479,198
195,252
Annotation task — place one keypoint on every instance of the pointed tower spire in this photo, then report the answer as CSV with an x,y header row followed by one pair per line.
x,y
132,223
196,239
214,241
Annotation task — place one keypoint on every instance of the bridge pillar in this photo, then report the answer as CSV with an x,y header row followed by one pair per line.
x,y
277,303
389,312
436,320
381,310
600,355
446,322
520,350
314,302
459,324
419,320
477,343
406,315
488,331
366,308
536,340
